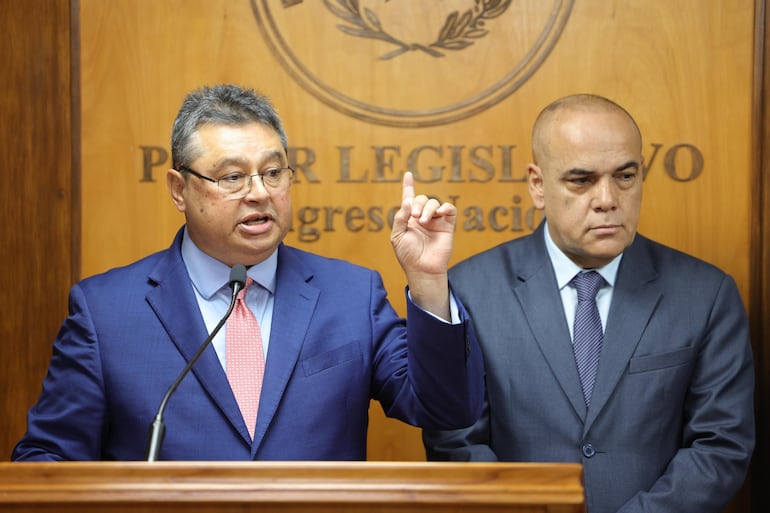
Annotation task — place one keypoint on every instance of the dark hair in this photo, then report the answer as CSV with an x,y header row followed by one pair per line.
x,y
221,104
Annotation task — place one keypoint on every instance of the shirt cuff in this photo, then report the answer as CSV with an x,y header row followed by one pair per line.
x,y
454,311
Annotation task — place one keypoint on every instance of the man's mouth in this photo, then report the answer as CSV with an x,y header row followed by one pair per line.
x,y
606,229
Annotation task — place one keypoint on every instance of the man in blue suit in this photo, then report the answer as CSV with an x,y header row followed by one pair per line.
x,y
331,339
667,425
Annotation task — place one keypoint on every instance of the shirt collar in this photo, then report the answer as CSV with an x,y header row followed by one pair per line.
x,y
565,269
209,275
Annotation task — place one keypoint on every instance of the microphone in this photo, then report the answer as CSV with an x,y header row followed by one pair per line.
x,y
158,429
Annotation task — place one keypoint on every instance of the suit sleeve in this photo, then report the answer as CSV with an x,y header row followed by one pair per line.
x,y
431,374
718,434
469,444
66,422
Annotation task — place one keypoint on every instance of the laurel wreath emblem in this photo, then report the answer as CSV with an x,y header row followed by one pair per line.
x,y
459,30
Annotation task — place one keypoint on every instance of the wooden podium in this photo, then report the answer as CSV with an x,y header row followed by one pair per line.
x,y
317,487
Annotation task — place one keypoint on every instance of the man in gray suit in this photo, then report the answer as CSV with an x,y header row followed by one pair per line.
x,y
665,424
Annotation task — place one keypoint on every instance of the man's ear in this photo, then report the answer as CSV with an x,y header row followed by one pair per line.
x,y
176,184
535,185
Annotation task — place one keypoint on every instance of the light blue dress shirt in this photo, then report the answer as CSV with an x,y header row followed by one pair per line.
x,y
565,269
210,280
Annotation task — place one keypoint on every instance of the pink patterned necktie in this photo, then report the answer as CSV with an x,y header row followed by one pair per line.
x,y
245,359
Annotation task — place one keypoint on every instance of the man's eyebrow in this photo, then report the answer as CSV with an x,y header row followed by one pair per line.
x,y
229,161
275,155
577,171
241,162
630,164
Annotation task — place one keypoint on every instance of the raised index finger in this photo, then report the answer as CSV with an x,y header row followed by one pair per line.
x,y
407,192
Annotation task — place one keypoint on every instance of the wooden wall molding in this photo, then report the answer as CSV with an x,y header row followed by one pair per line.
x,y
36,145
759,310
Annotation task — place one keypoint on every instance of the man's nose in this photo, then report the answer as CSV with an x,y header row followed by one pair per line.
x,y
255,188
606,194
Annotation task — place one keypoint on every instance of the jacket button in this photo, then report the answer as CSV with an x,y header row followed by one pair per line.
x,y
588,451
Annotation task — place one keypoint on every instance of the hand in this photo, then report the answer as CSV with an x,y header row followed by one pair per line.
x,y
422,238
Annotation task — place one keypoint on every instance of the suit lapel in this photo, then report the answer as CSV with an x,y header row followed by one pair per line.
x,y
174,302
634,300
294,303
541,303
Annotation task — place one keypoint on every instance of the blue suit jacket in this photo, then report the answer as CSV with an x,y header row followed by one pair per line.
x,y
670,427
336,343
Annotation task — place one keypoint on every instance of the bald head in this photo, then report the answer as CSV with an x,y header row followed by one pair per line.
x,y
550,118
587,177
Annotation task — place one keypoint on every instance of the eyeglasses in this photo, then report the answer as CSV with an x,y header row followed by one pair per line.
x,y
239,184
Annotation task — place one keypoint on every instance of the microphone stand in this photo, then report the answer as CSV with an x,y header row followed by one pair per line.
x,y
158,428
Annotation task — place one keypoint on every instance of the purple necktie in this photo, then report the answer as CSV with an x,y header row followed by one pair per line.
x,y
587,334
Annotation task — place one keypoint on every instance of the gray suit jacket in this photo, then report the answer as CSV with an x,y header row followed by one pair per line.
x,y
670,427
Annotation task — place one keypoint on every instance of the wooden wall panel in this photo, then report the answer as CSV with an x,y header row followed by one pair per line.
x,y
35,199
684,69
